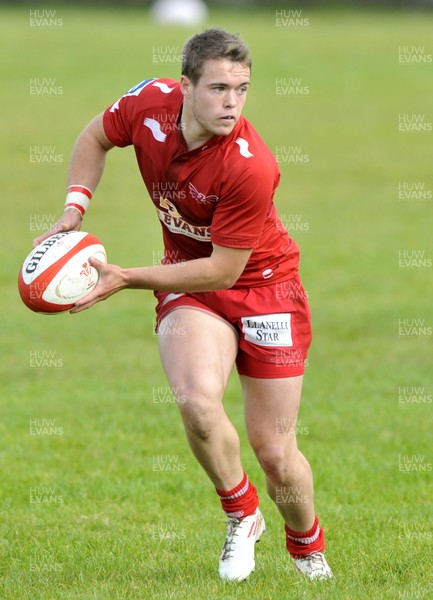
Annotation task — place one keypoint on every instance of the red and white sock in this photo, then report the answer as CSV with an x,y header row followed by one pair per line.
x,y
241,501
300,544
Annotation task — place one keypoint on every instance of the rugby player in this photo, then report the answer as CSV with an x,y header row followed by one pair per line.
x,y
228,290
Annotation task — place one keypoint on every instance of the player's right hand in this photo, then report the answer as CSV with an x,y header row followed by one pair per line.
x,y
69,221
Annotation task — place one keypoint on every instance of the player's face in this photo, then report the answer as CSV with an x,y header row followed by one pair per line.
x,y
217,100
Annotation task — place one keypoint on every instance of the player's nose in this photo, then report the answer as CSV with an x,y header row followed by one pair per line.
x,y
230,99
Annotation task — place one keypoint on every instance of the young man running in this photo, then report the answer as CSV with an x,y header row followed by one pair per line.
x,y
228,282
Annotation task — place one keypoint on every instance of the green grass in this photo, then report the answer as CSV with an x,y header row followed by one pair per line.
x,y
115,527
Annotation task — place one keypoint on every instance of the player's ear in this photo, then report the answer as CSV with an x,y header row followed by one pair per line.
x,y
185,85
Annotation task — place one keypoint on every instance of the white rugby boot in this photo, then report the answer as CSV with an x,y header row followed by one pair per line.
x,y
237,556
314,566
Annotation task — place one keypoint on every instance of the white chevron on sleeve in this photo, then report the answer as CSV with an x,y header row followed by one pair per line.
x,y
155,128
163,87
243,147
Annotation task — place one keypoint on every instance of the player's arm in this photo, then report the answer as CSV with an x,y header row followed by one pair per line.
x,y
88,155
85,169
219,271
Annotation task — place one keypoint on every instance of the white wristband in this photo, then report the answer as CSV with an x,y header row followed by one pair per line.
x,y
78,197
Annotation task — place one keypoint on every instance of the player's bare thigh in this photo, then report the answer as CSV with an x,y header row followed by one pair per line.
x,y
197,351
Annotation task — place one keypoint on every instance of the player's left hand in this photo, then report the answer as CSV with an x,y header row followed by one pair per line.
x,y
111,280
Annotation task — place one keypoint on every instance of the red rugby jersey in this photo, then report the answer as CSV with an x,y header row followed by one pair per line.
x,y
221,192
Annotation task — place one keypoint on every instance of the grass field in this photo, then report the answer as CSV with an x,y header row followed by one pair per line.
x,y
87,420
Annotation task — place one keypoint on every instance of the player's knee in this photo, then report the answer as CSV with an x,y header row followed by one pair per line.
x,y
276,460
201,410
201,419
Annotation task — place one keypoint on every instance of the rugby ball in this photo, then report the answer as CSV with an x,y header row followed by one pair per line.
x,y
57,273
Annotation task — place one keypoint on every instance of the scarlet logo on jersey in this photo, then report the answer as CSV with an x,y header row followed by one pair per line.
x,y
202,198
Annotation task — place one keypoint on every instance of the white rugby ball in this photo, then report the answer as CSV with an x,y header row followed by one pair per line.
x,y
57,273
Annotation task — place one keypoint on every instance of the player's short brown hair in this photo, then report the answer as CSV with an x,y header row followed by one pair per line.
x,y
212,44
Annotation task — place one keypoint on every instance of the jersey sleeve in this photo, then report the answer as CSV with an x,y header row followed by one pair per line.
x,y
241,212
117,121
119,118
